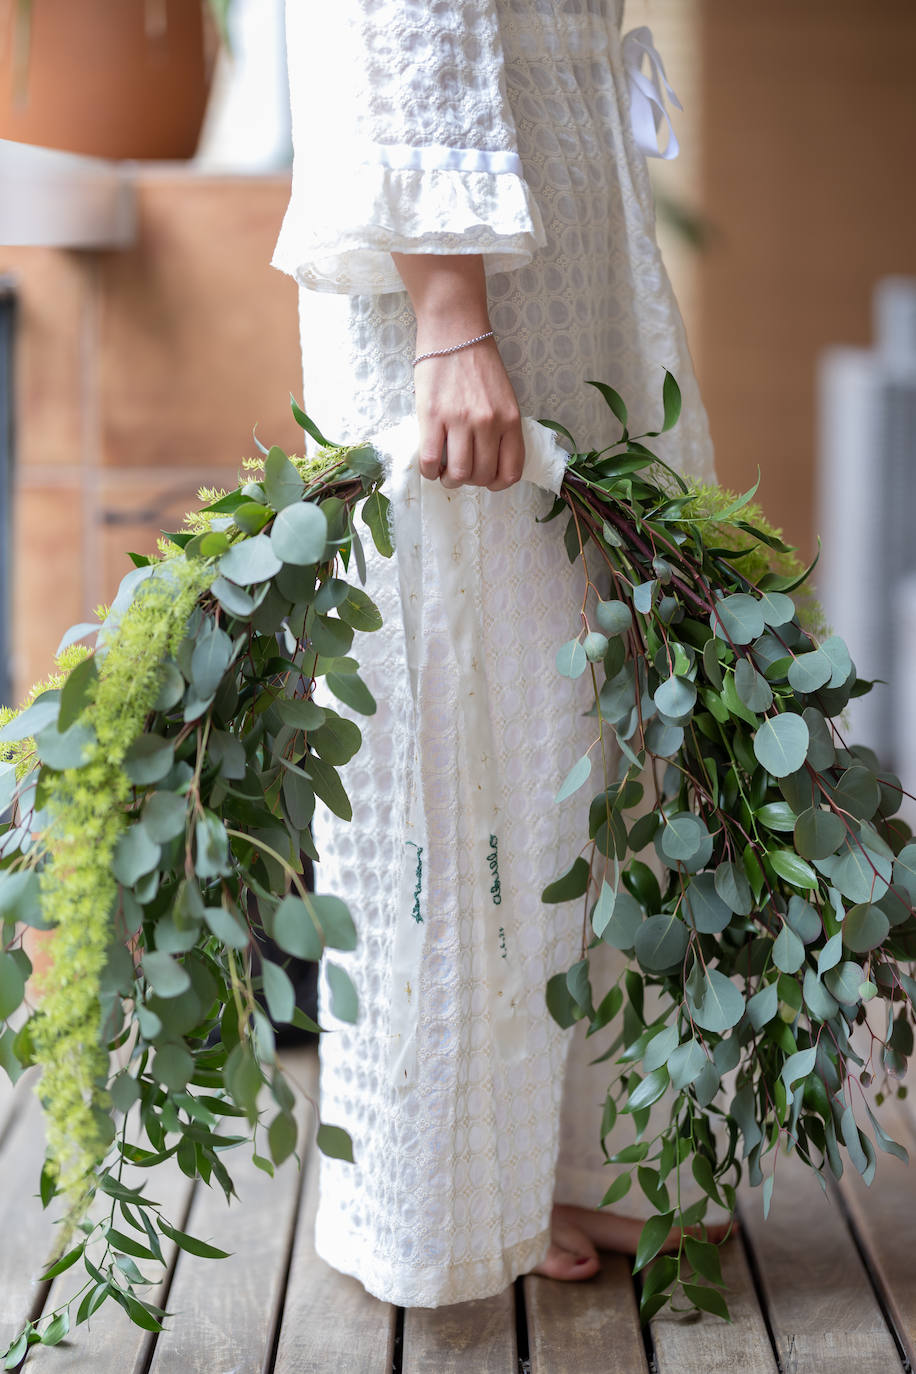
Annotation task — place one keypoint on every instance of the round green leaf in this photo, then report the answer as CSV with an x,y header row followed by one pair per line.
x,y
818,833
663,739
595,646
676,697
720,1004
821,750
781,744
661,942
282,483
237,602
135,854
808,672
702,906
685,1063
344,1002
820,1003
857,792
752,687
164,815
166,976
843,981
227,926
299,534
252,560
864,928
65,748
149,759
278,991
836,651
12,985
173,1066
738,618
777,608
859,874
734,889
613,617
788,951
620,917
571,660
333,916
680,836
210,660
295,931
20,897
762,1007
803,919
359,611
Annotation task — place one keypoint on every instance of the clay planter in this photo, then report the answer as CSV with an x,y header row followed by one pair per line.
x,y
114,78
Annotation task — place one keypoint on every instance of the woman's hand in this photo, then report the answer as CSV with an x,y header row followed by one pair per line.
x,y
466,406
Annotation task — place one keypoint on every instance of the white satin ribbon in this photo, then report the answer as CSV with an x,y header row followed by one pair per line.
x,y
439,157
421,515
647,94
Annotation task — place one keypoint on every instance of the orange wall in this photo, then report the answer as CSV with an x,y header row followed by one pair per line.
x,y
140,376
808,127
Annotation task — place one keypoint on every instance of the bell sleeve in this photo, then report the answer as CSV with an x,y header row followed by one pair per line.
x,y
403,141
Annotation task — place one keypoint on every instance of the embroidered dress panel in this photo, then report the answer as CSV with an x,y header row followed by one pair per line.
x,y
457,1166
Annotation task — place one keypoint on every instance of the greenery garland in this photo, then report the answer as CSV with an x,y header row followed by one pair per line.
x,y
161,789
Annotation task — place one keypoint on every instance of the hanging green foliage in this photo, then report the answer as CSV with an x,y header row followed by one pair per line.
x,y
160,790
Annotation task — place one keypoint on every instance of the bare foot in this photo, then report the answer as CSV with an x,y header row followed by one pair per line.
x,y
572,1255
577,1233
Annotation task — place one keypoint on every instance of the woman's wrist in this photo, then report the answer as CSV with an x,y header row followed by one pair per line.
x,y
449,296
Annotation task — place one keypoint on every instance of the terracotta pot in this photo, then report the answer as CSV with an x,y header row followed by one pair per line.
x,y
115,78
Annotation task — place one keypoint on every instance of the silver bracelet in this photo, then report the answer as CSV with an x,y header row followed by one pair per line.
x,y
441,352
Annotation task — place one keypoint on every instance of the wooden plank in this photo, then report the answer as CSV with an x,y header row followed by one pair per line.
x,y
26,1231
110,1343
463,1338
331,1325
590,1326
885,1219
708,1345
821,1307
224,1312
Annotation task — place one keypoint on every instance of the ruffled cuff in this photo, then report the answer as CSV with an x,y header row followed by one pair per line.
x,y
380,210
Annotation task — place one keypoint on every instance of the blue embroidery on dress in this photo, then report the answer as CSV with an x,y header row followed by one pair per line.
x,y
419,885
493,861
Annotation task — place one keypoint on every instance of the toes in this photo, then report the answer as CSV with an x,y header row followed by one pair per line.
x,y
564,1264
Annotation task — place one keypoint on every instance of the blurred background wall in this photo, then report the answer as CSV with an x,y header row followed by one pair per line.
x,y
140,373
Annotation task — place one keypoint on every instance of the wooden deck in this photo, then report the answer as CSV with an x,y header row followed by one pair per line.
x,y
821,1285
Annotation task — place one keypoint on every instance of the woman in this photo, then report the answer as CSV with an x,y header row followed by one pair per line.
x,y
462,168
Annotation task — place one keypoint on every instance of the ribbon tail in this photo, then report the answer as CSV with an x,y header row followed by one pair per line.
x,y
647,94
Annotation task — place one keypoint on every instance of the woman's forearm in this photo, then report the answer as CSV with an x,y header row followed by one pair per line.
x,y
466,406
448,292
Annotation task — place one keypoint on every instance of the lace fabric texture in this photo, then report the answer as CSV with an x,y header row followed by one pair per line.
x,y
450,1195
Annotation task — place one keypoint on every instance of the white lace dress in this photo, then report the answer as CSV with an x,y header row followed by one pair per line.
x,y
508,128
